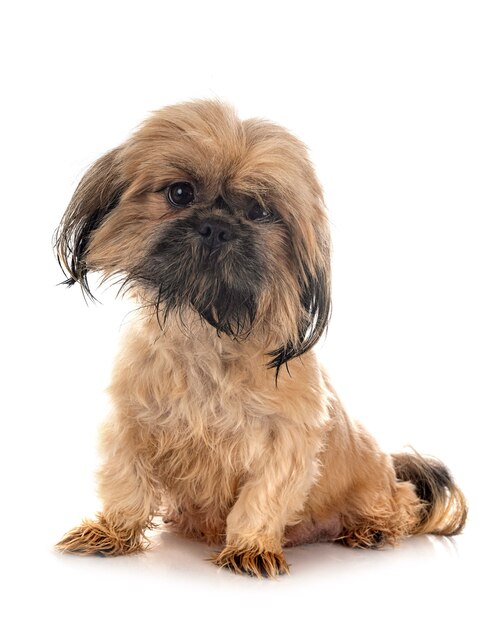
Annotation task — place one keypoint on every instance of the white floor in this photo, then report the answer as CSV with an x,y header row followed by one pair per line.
x,y
426,580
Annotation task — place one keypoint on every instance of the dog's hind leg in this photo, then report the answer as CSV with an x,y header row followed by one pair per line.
x,y
358,484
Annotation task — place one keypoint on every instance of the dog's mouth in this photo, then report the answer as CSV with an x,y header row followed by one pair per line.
x,y
221,294
230,313
225,297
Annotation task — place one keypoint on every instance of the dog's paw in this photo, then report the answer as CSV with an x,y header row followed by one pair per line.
x,y
368,538
254,562
98,537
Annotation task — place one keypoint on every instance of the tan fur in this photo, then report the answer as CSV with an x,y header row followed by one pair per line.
x,y
201,432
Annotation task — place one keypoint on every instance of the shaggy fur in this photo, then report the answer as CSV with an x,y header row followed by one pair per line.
x,y
233,283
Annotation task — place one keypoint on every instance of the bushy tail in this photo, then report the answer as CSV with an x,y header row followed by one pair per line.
x,y
445,508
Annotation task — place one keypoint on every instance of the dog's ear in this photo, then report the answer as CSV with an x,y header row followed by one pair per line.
x,y
315,300
97,194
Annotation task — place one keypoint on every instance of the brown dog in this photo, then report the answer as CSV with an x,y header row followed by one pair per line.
x,y
223,421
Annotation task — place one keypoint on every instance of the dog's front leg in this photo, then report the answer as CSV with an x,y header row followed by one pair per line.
x,y
128,493
272,497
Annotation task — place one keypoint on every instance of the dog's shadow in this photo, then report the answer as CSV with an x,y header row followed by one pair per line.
x,y
171,554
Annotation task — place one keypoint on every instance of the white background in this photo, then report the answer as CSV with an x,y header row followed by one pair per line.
x,y
392,99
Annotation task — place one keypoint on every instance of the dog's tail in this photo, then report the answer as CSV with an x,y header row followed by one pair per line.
x,y
444,509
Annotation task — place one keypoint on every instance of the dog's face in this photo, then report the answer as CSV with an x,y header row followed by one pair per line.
x,y
201,211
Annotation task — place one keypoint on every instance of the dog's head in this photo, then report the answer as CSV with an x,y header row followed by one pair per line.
x,y
201,211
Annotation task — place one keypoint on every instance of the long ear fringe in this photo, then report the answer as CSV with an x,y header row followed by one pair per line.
x,y
316,304
98,192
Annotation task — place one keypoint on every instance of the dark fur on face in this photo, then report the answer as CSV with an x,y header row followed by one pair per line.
x,y
223,285
254,182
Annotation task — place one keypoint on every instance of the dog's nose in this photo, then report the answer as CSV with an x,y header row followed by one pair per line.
x,y
215,232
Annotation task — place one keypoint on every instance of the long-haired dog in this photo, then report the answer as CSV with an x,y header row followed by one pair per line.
x,y
224,423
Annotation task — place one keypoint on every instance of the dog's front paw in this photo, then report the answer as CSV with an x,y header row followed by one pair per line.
x,y
253,561
99,537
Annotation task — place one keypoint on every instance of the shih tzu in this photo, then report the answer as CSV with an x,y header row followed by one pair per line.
x,y
224,424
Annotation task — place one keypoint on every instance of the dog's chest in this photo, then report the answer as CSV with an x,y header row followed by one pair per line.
x,y
205,413
212,419
205,389
211,414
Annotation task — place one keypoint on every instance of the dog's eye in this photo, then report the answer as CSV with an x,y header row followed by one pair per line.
x,y
180,194
258,212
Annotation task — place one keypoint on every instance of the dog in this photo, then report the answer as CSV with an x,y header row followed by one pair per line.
x,y
224,424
